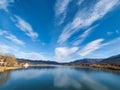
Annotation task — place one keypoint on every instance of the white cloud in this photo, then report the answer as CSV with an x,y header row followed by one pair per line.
x,y
4,49
79,2
31,56
25,27
61,6
21,54
91,47
97,44
4,4
7,49
116,40
86,17
11,37
62,53
61,9
82,37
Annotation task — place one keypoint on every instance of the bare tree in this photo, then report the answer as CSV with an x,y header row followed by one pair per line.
x,y
8,59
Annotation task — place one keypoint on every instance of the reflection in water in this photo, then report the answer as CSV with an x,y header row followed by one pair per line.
x,y
65,79
59,78
4,77
93,84
33,72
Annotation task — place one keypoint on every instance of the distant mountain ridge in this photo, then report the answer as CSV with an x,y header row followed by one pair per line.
x,y
86,61
111,60
36,61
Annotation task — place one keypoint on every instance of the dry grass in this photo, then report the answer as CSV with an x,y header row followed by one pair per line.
x,y
2,69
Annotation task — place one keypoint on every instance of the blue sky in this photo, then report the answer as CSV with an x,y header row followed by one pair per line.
x,y
60,30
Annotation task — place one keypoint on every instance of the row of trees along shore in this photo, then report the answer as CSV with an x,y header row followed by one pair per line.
x,y
8,60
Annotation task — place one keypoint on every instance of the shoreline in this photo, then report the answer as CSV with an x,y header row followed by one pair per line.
x,y
3,69
96,66
106,67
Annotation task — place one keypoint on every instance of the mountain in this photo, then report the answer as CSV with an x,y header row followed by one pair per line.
x,y
86,61
37,61
112,60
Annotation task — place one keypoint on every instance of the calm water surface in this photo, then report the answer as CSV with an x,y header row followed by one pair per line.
x,y
60,78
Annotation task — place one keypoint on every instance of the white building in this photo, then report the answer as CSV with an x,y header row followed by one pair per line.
x,y
1,62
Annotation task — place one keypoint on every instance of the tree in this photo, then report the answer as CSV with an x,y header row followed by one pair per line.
x,y
8,59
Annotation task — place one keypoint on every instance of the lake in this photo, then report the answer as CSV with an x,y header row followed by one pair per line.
x,y
60,78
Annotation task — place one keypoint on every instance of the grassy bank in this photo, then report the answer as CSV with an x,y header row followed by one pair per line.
x,y
3,68
108,66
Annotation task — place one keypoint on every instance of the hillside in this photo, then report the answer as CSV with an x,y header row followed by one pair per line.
x,y
112,60
86,61
36,61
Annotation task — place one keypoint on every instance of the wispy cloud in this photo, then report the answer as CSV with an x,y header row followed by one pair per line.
x,y
79,2
91,47
82,37
31,55
61,6
116,40
95,45
11,37
7,49
62,53
61,9
21,54
86,17
25,27
4,4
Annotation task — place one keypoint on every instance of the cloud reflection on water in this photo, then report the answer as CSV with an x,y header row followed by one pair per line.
x,y
31,72
93,84
63,77
67,78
